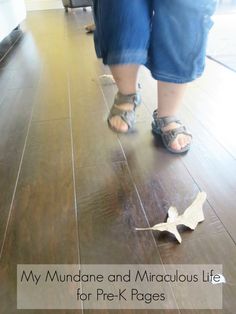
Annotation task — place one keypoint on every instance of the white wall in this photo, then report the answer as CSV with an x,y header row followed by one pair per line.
x,y
12,13
43,4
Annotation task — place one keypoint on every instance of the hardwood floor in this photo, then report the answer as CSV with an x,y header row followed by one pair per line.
x,y
72,191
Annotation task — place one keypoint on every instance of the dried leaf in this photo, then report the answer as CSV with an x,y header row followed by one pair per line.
x,y
190,218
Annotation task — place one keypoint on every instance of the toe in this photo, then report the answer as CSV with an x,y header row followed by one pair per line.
x,y
183,141
123,126
176,145
118,124
187,140
180,142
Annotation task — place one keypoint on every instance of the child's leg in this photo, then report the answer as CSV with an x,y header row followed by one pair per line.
x,y
177,53
126,80
170,97
122,40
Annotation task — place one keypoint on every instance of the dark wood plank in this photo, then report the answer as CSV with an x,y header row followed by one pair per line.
x,y
53,26
52,101
46,171
24,59
28,79
26,70
15,112
5,77
43,226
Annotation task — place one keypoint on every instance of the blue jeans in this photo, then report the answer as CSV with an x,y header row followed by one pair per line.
x,y
167,36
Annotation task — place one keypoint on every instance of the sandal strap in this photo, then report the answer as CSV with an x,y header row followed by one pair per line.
x,y
127,116
170,135
164,121
134,99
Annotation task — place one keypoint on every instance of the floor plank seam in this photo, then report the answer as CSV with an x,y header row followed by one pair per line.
x,y
74,183
50,120
102,164
221,63
73,166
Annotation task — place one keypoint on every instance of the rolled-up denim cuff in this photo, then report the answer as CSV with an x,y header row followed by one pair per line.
x,y
126,57
165,77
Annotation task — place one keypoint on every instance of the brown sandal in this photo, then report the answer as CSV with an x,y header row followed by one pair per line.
x,y
169,136
127,116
